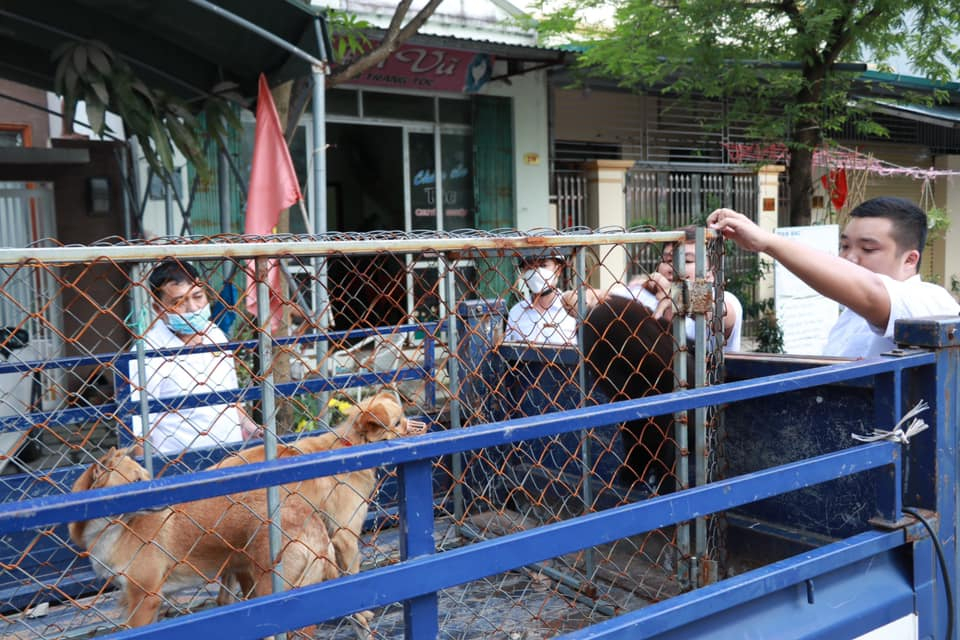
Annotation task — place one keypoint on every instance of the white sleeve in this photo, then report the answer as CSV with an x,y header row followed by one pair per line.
x,y
914,298
733,342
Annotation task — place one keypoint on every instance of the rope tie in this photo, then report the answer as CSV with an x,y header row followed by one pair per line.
x,y
897,434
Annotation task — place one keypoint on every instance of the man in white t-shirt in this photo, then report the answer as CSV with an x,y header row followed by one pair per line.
x,y
183,320
876,276
541,318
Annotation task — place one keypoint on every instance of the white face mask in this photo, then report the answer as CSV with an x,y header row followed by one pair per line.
x,y
541,280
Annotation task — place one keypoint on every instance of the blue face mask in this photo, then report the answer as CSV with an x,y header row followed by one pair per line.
x,y
188,322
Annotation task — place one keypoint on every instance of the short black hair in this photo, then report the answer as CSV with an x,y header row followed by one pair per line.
x,y
527,258
171,270
689,237
909,222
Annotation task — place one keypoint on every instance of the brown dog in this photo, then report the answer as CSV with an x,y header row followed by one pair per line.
x,y
196,542
342,499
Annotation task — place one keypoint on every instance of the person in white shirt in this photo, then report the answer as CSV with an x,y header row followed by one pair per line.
x,y
653,292
183,320
875,277
541,318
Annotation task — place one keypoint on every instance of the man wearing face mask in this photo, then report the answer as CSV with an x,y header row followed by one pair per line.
x,y
541,318
183,320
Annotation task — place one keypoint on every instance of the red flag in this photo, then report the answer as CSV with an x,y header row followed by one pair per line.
x,y
273,187
835,184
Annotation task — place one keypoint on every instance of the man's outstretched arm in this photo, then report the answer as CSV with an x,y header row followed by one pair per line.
x,y
853,286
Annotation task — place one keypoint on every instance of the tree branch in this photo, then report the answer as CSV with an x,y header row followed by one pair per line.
x,y
398,15
394,37
790,8
414,25
844,36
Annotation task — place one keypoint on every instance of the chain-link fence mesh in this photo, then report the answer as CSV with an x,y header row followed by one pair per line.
x,y
120,351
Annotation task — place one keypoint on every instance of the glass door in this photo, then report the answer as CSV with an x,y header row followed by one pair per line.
x,y
448,154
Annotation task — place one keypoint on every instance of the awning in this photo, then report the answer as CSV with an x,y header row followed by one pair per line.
x,y
941,116
184,47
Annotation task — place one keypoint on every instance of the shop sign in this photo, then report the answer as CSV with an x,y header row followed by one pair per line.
x,y
429,69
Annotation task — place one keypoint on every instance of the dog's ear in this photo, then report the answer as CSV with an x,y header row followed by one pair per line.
x,y
101,466
83,482
390,394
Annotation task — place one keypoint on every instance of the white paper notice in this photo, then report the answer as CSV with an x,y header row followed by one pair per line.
x,y
805,316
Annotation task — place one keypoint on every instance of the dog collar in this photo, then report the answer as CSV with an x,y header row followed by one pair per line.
x,y
345,442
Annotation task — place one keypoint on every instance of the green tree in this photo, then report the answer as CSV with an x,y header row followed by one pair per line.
x,y
777,64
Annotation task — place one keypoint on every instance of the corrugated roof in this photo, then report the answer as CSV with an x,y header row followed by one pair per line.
x,y
943,116
501,50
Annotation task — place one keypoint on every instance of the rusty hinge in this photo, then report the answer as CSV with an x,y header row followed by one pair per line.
x,y
694,296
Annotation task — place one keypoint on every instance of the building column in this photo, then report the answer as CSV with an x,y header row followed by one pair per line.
x,y
768,199
606,207
946,264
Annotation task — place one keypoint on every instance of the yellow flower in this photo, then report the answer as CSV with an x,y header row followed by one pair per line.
x,y
339,405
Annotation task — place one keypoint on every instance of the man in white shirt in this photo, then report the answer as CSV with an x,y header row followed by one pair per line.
x,y
183,320
541,318
876,276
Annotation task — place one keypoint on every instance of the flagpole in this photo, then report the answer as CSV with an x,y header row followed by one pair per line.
x,y
306,218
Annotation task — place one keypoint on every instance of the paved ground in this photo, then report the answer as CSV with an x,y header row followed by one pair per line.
x,y
532,602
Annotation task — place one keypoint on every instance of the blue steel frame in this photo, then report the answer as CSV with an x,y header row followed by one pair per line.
x,y
415,581
123,408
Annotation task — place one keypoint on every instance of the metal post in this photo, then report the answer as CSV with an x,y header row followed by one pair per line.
x,y
223,190
319,291
321,307
168,203
680,418
140,310
448,301
939,385
416,540
438,183
124,158
887,411
268,409
701,345
586,461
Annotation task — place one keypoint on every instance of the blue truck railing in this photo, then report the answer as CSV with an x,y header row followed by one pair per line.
x,y
54,560
123,407
845,587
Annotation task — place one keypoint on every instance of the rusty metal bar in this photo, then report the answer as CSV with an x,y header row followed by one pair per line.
x,y
308,247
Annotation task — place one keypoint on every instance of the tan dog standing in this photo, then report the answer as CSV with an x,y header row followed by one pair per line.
x,y
197,542
342,499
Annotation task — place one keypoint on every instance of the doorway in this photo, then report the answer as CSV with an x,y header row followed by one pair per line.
x,y
364,177
384,177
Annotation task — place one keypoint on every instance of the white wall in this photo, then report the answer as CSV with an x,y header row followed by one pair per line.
x,y
112,120
530,136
